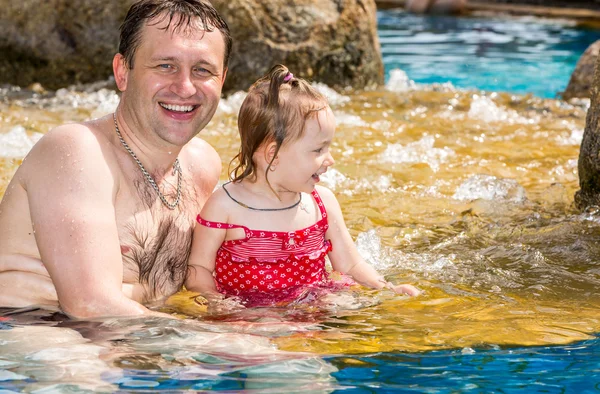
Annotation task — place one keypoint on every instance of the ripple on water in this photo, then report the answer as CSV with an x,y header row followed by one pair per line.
x,y
464,194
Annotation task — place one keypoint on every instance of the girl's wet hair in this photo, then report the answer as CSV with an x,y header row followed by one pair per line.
x,y
275,110
181,14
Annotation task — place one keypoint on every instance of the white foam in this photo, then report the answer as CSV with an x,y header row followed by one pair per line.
x,y
573,139
104,100
333,97
350,120
332,178
421,151
369,247
485,109
16,143
488,187
231,104
399,81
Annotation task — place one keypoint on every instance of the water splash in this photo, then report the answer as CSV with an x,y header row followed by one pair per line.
x,y
333,97
16,143
421,151
488,187
231,104
399,82
485,109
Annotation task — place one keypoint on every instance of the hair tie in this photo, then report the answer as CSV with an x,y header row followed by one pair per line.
x,y
288,77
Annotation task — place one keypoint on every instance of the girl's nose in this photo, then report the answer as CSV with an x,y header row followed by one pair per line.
x,y
329,159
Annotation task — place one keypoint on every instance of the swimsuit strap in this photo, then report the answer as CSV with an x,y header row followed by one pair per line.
x,y
225,226
320,204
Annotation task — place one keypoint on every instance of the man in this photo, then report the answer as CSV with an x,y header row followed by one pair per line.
x,y
98,219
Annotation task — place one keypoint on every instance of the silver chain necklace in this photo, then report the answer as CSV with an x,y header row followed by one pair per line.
x,y
151,181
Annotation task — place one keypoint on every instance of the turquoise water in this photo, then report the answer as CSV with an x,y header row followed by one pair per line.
x,y
499,54
558,369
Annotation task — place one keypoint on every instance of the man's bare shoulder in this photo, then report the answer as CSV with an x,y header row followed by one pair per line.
x,y
81,146
86,138
204,163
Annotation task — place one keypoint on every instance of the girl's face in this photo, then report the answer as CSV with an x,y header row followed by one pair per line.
x,y
300,163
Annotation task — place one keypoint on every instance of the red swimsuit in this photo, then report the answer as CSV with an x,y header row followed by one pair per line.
x,y
270,267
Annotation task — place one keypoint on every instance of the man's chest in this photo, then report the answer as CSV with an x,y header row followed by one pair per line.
x,y
155,247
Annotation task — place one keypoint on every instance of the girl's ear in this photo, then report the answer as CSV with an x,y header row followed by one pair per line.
x,y
270,153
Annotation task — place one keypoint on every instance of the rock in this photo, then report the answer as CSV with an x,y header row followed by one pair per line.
x,y
58,42
589,157
581,79
331,41
62,42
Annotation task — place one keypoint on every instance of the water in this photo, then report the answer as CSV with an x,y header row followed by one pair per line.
x,y
466,193
518,55
572,369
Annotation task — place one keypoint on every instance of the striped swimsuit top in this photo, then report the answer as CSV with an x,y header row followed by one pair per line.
x,y
268,267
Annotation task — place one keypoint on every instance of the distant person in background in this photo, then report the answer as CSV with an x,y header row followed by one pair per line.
x,y
436,6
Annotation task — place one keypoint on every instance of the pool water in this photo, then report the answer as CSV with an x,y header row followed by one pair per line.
x,y
495,54
464,192
559,369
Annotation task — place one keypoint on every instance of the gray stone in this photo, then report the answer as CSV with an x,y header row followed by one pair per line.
x,y
581,79
589,153
63,42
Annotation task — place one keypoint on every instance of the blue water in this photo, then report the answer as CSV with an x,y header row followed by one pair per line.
x,y
573,368
500,54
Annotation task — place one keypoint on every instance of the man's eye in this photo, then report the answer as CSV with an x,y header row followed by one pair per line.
x,y
165,66
201,71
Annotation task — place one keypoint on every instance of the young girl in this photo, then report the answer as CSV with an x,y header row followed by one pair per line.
x,y
264,235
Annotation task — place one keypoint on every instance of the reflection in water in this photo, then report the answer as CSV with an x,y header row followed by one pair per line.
x,y
466,194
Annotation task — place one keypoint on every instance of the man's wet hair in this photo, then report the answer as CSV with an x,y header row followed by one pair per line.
x,y
180,14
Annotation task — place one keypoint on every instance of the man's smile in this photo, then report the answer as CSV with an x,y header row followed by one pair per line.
x,y
178,108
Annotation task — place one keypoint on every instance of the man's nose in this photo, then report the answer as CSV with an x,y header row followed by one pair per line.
x,y
183,86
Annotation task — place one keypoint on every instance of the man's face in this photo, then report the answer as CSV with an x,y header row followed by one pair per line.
x,y
174,87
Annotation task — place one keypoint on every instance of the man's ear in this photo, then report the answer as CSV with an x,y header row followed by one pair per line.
x,y
224,76
120,71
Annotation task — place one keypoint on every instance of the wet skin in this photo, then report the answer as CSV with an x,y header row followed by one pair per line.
x,y
80,227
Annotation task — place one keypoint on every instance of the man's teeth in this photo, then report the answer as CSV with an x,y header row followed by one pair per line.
x,y
177,108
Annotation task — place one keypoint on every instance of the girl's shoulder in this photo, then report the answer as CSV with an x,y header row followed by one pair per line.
x,y
217,207
326,195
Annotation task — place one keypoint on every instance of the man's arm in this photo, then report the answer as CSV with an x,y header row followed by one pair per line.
x,y
71,192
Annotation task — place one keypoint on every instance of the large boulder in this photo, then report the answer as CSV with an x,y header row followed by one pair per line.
x,y
589,153
58,42
62,42
581,79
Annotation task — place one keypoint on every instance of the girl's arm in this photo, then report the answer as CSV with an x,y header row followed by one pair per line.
x,y
345,257
205,244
